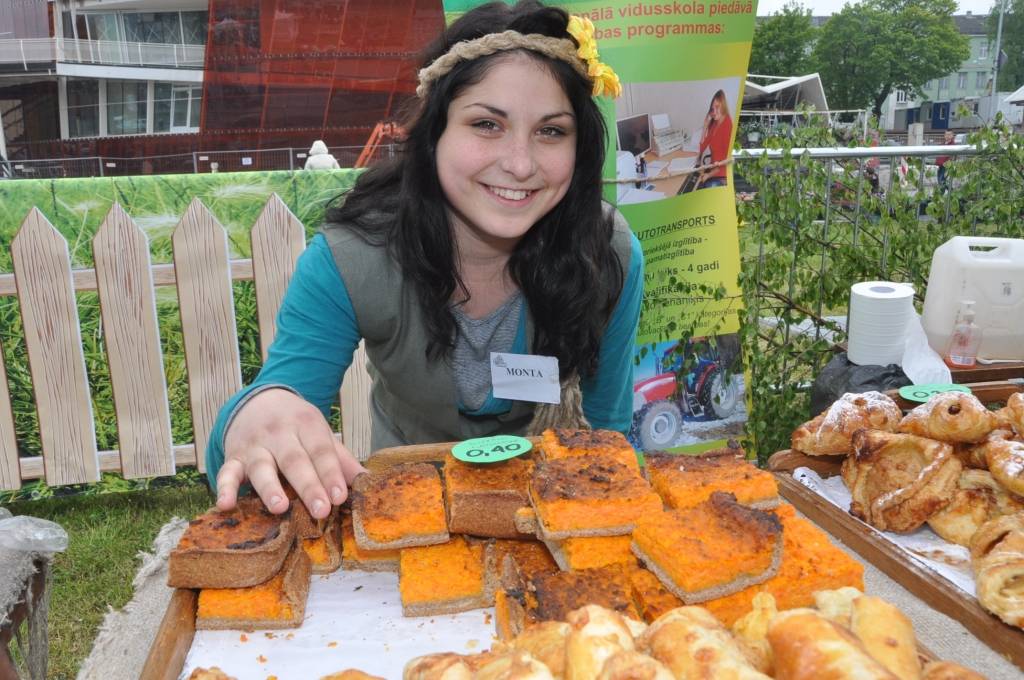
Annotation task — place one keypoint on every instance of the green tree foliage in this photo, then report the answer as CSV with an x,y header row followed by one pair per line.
x,y
871,49
782,43
1011,73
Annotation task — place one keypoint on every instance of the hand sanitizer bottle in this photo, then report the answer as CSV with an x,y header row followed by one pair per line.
x,y
963,345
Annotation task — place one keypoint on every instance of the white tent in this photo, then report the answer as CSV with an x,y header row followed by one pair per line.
x,y
784,93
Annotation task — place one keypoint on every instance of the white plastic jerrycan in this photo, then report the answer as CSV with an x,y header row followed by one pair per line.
x,y
989,271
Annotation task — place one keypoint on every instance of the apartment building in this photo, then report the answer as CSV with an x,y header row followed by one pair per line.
x,y
162,78
966,89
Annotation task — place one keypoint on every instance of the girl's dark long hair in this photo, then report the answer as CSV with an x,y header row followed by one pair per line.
x,y
564,265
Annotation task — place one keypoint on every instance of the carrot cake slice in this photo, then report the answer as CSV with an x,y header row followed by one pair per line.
x,y
324,551
592,552
652,598
564,443
231,549
446,578
355,558
810,563
482,499
399,507
684,481
588,496
550,597
712,550
278,603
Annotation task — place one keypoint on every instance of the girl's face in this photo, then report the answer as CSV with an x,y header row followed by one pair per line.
x,y
716,110
507,154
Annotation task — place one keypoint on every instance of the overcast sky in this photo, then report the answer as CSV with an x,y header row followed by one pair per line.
x,y
823,7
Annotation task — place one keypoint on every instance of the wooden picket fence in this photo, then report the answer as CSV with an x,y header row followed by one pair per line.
x,y
126,282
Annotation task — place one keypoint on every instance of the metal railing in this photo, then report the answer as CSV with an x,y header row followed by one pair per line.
x,y
105,52
192,162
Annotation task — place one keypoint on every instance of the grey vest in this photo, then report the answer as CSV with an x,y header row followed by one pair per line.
x,y
413,400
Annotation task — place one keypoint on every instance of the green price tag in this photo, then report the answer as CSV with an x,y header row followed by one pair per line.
x,y
491,449
923,393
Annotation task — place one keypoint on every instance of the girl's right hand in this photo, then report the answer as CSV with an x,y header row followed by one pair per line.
x,y
276,432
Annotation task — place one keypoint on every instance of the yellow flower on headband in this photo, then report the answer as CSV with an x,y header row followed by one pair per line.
x,y
605,80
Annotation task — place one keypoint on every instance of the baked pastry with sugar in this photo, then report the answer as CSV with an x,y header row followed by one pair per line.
x,y
887,634
595,635
977,499
1006,463
976,455
684,481
997,557
829,433
807,646
947,670
950,417
1013,412
897,481
693,644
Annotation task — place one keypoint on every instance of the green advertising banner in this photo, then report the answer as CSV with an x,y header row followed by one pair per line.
x,y
682,67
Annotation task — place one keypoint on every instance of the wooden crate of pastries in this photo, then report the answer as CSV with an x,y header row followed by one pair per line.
x,y
951,464
576,540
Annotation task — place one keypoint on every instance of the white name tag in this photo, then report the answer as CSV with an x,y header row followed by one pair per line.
x,y
525,377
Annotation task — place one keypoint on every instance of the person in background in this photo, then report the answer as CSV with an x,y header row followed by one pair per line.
x,y
948,139
320,158
714,142
486,234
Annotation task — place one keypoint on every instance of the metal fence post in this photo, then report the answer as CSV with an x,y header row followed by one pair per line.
x,y
195,162
291,158
99,161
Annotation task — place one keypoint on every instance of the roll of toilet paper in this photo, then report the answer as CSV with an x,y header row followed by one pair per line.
x,y
877,325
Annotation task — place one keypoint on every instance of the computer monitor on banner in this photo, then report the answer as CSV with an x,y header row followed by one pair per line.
x,y
634,134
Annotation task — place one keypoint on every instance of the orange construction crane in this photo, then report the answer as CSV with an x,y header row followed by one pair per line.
x,y
381,132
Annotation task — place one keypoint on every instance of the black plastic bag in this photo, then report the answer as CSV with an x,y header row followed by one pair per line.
x,y
840,376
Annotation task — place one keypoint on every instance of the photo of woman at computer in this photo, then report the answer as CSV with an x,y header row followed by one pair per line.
x,y
666,132
715,143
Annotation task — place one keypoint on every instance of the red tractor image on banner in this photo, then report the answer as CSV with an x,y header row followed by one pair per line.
x,y
676,383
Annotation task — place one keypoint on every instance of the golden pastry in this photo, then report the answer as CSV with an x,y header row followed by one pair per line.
x,y
829,433
997,557
1013,413
694,645
1006,463
807,646
596,634
446,666
975,455
514,665
751,631
887,634
837,605
978,498
950,417
634,666
545,641
897,481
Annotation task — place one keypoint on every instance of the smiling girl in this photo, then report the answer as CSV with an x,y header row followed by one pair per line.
x,y
487,234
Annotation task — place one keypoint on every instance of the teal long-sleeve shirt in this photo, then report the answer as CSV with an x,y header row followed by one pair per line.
x,y
317,335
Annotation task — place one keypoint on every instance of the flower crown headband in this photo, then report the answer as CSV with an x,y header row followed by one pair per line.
x,y
583,58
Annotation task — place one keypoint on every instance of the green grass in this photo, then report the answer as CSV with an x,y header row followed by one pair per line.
x,y
106,533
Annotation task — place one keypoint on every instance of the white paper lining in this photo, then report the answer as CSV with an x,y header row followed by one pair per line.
x,y
361,614
951,561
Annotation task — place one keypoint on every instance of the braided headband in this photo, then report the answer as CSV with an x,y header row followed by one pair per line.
x,y
584,59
